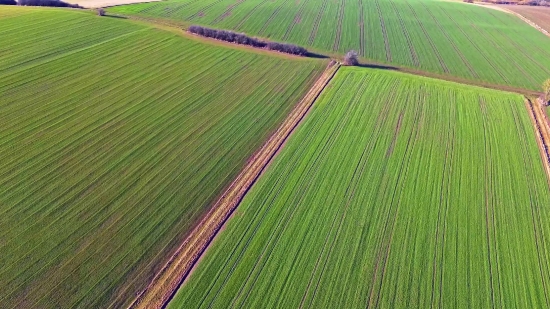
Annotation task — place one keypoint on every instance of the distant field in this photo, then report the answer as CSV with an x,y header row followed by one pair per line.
x,y
538,15
115,138
104,3
444,37
396,192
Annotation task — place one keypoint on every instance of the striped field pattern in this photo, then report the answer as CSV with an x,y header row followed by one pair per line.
x,y
444,37
396,192
115,139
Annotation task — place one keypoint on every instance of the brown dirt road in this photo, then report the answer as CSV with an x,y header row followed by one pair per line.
x,y
542,131
166,282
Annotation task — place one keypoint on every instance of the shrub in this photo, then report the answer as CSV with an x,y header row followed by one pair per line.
x,y
243,39
100,12
53,3
8,2
351,58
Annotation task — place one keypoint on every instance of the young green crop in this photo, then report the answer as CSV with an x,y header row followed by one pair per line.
x,y
444,37
115,139
395,192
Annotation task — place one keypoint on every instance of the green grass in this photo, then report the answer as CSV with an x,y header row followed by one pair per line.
x,y
443,37
115,138
395,192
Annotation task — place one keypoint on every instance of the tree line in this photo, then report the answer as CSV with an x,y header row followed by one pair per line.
x,y
53,3
243,39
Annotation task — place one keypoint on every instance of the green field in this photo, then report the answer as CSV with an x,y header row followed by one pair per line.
x,y
396,192
444,37
115,138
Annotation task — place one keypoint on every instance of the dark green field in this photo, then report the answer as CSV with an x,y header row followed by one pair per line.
x,y
115,138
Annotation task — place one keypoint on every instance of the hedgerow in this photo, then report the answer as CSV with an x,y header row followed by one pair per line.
x,y
243,39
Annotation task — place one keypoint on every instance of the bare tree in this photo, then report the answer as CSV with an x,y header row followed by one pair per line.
x,y
351,58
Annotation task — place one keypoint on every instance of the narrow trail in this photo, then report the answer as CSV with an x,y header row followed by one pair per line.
x,y
173,273
542,131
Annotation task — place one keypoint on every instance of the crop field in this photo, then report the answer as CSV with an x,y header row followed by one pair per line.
x,y
115,138
539,15
395,192
443,37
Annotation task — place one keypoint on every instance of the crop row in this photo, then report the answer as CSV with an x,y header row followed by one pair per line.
x,y
442,37
387,198
112,149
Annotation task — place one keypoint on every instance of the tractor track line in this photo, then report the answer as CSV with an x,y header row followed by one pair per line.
x,y
458,52
317,22
361,29
338,39
489,213
444,185
247,16
412,51
432,44
401,179
384,31
272,17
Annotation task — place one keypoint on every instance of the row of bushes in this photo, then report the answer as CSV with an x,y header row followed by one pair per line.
x,y
240,38
54,3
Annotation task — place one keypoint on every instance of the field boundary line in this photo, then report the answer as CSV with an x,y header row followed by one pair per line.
x,y
166,282
525,19
542,131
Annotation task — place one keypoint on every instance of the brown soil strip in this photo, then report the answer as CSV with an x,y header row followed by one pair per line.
x,y
529,22
542,131
166,282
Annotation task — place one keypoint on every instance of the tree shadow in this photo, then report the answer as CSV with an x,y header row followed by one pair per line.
x,y
377,66
317,56
116,16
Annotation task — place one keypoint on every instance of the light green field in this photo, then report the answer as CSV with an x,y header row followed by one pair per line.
x,y
396,192
115,137
444,37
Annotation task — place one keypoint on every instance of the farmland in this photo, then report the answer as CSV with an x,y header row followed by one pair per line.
x,y
443,37
396,192
538,15
116,137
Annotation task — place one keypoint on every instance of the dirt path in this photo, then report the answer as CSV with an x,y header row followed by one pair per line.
x,y
542,131
528,21
166,282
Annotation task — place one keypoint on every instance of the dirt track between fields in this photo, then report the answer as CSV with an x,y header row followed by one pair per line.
x,y
164,285
542,131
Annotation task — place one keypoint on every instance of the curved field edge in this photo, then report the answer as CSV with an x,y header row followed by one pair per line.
x,y
396,192
440,37
112,149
